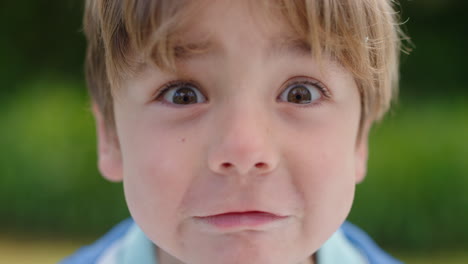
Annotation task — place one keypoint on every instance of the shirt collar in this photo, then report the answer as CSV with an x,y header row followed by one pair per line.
x,y
338,249
136,248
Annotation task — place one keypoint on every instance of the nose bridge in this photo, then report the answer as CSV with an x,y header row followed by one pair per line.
x,y
243,140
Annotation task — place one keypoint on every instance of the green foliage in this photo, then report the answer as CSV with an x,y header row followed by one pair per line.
x,y
414,196
49,178
415,193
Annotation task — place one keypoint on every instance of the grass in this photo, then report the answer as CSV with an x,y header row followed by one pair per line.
x,y
36,251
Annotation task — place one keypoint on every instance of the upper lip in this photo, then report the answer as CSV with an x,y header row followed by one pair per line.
x,y
240,212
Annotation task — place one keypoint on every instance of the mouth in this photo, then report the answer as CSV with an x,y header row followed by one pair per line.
x,y
241,220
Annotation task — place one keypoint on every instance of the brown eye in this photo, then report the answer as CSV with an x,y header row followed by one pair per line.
x,y
183,94
301,93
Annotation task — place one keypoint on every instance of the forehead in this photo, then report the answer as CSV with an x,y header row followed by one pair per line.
x,y
236,25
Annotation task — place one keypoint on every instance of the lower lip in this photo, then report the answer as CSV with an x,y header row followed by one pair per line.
x,y
237,220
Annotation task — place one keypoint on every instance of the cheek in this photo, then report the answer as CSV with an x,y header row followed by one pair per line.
x,y
322,164
325,172
157,174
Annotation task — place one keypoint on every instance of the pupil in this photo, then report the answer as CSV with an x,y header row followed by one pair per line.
x,y
298,97
185,95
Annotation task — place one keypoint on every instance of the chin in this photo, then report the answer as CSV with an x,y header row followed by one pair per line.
x,y
248,254
243,258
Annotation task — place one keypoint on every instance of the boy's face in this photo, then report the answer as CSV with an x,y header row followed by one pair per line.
x,y
254,126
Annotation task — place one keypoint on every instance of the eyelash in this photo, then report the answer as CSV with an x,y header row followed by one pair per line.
x,y
173,84
308,81
324,92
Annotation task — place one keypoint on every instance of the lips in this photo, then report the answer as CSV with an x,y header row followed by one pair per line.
x,y
248,219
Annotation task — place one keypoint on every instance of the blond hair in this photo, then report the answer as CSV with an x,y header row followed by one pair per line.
x,y
363,35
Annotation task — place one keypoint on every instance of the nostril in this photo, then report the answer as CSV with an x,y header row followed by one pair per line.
x,y
260,165
226,165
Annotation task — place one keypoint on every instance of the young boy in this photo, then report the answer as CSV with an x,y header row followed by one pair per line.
x,y
239,128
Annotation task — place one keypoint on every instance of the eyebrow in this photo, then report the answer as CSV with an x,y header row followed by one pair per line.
x,y
187,50
278,45
289,45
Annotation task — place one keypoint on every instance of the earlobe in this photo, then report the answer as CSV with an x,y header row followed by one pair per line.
x,y
362,152
109,155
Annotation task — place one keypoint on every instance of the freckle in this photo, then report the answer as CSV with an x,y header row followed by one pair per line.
x,y
182,139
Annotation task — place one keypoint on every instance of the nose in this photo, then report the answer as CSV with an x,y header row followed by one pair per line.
x,y
243,144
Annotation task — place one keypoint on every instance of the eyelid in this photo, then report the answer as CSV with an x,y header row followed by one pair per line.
x,y
172,84
307,80
168,85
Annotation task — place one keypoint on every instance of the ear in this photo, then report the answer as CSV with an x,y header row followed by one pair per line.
x,y
362,151
109,155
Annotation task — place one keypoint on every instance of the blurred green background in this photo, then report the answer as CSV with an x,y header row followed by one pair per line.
x,y
414,201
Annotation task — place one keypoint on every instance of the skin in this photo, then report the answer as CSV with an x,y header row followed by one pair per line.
x,y
243,148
